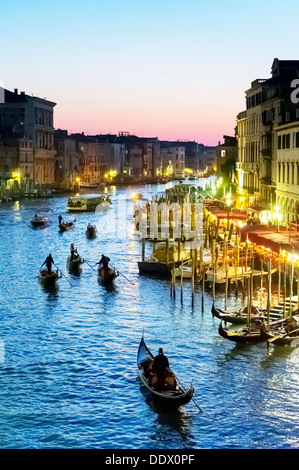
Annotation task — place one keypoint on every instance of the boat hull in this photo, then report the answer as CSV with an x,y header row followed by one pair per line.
x,y
174,395
106,277
48,279
242,335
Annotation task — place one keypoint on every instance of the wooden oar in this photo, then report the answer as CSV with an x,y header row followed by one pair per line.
x,y
89,265
282,336
63,274
122,274
183,386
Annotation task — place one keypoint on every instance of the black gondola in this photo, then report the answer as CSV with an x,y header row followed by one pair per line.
x,y
38,221
245,335
173,394
284,332
107,275
75,263
64,226
49,279
234,317
91,231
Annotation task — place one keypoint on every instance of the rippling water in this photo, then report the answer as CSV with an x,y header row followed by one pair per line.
x,y
68,375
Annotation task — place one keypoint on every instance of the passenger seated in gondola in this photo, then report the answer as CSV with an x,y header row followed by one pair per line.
x,y
48,262
160,367
104,261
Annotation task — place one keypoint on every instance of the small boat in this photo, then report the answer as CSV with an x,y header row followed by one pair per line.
x,y
49,279
163,257
38,221
173,394
88,203
75,263
91,231
244,335
234,317
64,226
107,276
284,332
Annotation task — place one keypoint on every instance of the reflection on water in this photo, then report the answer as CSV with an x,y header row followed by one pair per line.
x,y
69,377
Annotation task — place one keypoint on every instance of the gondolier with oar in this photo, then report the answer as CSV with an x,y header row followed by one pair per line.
x,y
160,366
74,252
104,261
48,262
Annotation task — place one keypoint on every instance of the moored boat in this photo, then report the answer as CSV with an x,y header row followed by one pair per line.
x,y
88,202
243,335
163,258
173,394
284,332
234,317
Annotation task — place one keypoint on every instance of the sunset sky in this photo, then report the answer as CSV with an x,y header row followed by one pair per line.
x,y
161,68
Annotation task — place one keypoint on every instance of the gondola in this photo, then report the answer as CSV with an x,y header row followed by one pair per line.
x,y
64,226
49,279
284,332
107,276
91,231
173,394
75,263
38,221
234,317
245,335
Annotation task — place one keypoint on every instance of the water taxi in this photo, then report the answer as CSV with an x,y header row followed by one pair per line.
x,y
88,202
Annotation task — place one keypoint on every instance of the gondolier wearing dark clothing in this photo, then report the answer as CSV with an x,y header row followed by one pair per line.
x,y
160,366
60,219
104,261
73,252
48,262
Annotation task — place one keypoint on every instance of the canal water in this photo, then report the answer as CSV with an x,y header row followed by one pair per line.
x,y
68,374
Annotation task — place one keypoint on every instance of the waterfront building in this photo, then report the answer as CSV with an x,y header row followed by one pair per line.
x,y
173,159
226,158
287,171
32,118
66,160
268,105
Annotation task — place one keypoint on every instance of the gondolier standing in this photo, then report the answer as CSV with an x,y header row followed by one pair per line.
x,y
48,262
60,219
73,252
104,261
160,366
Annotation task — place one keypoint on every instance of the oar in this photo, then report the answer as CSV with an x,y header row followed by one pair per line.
x,y
63,274
183,386
122,274
282,336
89,265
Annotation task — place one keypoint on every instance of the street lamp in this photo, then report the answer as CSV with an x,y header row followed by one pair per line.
x,y
228,202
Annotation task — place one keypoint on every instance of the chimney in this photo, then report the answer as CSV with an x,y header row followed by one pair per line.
x,y
16,91
22,93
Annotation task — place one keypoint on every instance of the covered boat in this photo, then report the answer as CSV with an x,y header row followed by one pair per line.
x,y
88,202
49,279
173,394
91,231
107,276
163,257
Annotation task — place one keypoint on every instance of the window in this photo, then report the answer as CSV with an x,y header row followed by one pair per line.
x,y
297,139
223,153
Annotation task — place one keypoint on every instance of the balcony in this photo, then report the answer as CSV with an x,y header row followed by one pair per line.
x,y
266,153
